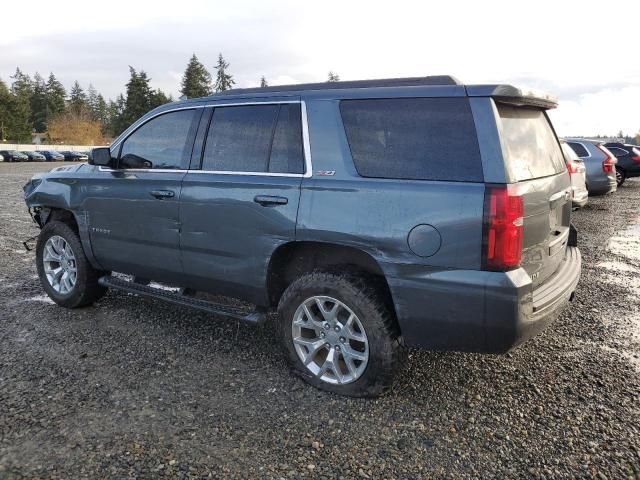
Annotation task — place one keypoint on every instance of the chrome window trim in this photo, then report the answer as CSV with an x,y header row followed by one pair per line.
x,y
306,144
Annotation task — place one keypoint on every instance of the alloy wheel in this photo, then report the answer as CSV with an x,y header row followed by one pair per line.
x,y
59,264
330,340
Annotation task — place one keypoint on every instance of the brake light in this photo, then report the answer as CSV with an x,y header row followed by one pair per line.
x,y
636,158
609,163
503,212
572,168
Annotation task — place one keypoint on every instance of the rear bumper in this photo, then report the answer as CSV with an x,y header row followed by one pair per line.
x,y
580,197
477,311
602,184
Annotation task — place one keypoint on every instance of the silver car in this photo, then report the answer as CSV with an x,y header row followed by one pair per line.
x,y
600,164
578,173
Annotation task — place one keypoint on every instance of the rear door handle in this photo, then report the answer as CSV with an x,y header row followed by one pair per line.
x,y
267,200
162,194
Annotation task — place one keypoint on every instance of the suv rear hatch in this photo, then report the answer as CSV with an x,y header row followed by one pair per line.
x,y
537,173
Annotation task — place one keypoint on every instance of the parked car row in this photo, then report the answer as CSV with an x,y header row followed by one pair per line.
x,y
597,167
43,156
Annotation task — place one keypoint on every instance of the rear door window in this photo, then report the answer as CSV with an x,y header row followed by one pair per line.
x,y
255,139
580,149
413,138
532,148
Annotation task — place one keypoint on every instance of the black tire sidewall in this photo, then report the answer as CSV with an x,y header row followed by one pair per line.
x,y
371,312
624,177
76,297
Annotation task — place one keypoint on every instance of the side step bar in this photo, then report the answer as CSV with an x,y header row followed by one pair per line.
x,y
254,318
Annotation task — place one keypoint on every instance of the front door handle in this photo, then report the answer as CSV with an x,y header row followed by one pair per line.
x,y
267,200
162,194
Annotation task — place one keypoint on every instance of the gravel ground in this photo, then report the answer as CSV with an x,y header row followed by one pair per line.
x,y
136,388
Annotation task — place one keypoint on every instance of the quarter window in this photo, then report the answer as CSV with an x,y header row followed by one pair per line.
x,y
580,150
255,139
159,143
618,152
413,138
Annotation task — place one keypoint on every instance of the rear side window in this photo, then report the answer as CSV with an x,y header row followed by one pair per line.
x,y
255,139
618,152
569,153
533,150
413,138
580,149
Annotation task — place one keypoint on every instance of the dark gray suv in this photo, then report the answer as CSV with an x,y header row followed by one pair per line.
x,y
371,215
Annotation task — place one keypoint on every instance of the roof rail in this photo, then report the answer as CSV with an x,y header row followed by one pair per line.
x,y
382,82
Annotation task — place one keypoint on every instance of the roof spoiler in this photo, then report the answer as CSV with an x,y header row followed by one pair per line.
x,y
514,96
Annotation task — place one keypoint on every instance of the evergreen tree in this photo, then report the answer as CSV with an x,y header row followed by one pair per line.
x,y
77,99
22,86
196,81
224,81
138,98
333,77
100,112
115,111
263,82
14,116
39,106
158,97
5,111
92,101
56,95
20,107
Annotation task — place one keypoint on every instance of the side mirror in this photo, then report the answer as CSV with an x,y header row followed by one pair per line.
x,y
101,156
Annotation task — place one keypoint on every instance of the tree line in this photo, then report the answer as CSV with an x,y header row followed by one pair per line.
x,y
33,104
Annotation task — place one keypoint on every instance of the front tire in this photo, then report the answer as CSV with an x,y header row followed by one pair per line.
x,y
339,334
65,273
620,176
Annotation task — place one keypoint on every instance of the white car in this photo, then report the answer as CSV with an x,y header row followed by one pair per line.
x,y
578,173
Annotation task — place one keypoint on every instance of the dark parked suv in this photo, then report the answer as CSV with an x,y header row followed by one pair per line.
x,y
371,215
628,160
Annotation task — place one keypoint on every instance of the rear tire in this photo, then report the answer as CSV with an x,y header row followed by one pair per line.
x,y
357,335
58,253
620,177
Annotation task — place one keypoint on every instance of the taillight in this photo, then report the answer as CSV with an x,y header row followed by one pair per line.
x,y
609,163
572,168
636,158
503,211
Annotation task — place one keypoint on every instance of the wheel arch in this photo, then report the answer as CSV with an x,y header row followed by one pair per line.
x,y
293,259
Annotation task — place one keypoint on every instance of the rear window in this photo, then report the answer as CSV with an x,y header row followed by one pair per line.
x,y
533,150
580,149
413,138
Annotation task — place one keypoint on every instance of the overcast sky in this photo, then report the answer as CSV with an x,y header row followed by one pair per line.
x,y
568,48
